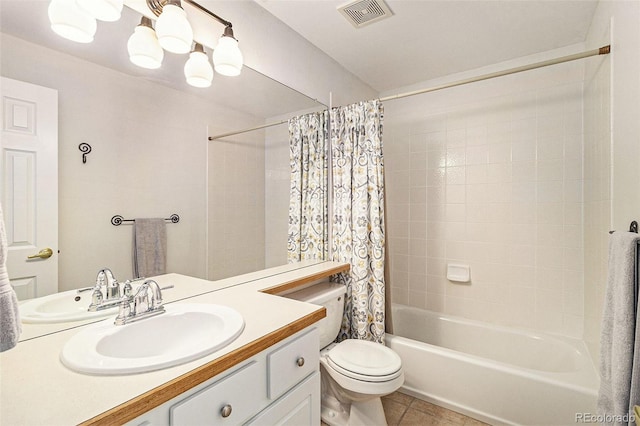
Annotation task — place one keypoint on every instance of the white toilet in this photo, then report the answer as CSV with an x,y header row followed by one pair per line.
x,y
355,373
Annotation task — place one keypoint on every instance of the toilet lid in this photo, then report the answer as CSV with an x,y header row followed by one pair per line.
x,y
365,360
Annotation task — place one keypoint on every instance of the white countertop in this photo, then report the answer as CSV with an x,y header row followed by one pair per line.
x,y
36,389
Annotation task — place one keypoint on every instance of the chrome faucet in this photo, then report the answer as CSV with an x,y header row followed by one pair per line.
x,y
112,292
147,302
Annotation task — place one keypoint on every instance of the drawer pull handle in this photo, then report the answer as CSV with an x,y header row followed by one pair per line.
x,y
226,411
300,362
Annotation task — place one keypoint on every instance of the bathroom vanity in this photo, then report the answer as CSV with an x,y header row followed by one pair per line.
x,y
280,385
268,375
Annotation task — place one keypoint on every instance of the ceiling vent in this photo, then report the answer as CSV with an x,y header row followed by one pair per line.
x,y
364,12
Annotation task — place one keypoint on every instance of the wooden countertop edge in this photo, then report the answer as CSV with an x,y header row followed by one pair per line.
x,y
163,393
299,282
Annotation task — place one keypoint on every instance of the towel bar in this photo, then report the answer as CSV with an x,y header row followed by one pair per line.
x,y
633,227
117,219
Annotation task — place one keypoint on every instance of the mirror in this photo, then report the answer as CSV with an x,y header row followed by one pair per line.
x,y
150,156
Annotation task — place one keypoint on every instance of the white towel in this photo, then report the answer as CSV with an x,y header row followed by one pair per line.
x,y
10,327
149,247
617,342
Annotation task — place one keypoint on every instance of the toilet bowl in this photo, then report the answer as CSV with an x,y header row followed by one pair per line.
x,y
355,374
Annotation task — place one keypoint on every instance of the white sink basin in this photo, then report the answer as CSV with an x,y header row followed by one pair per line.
x,y
183,333
61,307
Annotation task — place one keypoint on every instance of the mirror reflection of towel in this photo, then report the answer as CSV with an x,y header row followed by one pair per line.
x,y
10,327
149,247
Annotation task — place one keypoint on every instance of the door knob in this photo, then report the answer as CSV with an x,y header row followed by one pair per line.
x,y
43,254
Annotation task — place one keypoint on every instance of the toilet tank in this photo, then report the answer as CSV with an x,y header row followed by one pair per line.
x,y
331,296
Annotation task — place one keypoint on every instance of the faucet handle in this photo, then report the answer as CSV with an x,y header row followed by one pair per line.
x,y
96,297
127,290
113,289
124,311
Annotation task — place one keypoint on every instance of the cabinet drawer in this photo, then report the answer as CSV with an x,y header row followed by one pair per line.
x,y
293,362
236,391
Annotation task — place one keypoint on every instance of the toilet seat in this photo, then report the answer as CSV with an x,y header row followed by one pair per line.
x,y
366,361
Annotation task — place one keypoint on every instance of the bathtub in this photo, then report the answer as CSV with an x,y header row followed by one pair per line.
x,y
496,374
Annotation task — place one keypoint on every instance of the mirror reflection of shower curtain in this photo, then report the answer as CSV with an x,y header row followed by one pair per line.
x,y
358,235
308,230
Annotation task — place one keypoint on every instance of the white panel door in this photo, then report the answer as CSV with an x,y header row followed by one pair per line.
x,y
29,170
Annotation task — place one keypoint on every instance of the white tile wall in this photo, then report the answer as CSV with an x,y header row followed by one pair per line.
x,y
236,205
494,182
277,185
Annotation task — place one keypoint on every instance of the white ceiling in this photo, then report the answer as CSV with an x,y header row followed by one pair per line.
x,y
426,39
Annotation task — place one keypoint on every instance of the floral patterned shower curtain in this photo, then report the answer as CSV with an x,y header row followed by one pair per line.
x,y
358,216
308,221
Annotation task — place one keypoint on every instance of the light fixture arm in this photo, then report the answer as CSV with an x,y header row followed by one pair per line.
x,y
210,13
156,8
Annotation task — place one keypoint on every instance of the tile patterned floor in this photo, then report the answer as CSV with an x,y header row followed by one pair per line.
x,y
404,410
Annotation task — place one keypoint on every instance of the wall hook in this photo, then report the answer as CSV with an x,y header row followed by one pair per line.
x,y
85,148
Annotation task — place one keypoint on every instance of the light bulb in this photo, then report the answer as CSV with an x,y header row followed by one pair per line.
x,y
173,30
143,47
104,10
68,20
198,70
227,58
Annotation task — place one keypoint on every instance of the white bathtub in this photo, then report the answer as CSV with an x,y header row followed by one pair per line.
x,y
495,374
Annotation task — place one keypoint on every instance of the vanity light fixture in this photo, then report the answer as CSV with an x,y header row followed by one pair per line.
x,y
68,20
198,70
227,58
76,20
172,28
143,46
103,10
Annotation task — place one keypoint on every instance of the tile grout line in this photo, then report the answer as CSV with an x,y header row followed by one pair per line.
x,y
406,408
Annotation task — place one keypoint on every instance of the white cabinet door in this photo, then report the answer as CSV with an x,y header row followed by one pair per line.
x,y
29,170
299,406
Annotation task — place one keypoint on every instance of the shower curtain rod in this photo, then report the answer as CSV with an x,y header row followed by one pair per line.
x,y
605,50
264,126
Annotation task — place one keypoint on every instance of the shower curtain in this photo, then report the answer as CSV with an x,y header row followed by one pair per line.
x,y
358,235
357,215
308,221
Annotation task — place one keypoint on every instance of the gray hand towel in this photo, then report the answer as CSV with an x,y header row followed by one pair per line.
x,y
617,342
10,327
149,247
